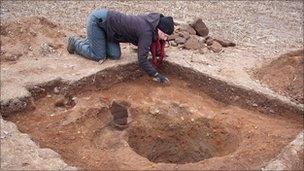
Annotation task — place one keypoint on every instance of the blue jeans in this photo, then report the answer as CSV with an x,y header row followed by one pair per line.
x,y
95,46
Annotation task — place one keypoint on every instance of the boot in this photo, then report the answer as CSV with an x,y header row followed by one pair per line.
x,y
71,44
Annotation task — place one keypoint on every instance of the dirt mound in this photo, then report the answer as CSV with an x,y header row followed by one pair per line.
x,y
284,75
30,36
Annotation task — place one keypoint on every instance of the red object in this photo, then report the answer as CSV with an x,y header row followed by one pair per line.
x,y
157,50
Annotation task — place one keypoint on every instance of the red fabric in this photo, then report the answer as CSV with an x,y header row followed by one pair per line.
x,y
157,50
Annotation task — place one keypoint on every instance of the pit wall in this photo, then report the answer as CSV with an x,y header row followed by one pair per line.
x,y
230,93
220,90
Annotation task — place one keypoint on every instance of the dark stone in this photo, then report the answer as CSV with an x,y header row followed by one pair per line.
x,y
200,27
119,110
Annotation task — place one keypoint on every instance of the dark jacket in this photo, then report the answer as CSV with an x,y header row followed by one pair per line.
x,y
139,30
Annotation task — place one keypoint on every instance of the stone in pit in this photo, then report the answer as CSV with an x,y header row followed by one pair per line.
x,y
119,110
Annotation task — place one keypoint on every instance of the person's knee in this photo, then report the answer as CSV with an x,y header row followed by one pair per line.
x,y
96,56
114,54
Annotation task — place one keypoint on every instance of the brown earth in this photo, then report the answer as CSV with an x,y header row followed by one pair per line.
x,y
30,37
284,75
77,133
167,123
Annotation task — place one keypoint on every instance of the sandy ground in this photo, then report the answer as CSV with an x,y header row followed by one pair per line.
x,y
262,31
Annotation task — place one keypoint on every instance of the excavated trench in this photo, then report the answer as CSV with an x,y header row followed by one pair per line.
x,y
195,118
182,142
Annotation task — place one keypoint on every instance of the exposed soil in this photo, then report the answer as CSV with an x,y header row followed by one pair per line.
x,y
285,75
172,124
33,51
182,141
30,37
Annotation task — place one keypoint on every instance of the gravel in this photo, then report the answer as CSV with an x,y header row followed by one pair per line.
x,y
251,23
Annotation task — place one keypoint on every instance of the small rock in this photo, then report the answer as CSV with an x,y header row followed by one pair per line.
x,y
180,40
200,27
60,103
224,42
173,43
45,49
70,101
254,105
201,40
192,120
154,111
192,44
182,118
173,37
215,47
184,34
203,50
209,41
67,101
56,90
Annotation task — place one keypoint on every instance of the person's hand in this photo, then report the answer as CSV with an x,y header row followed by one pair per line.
x,y
160,78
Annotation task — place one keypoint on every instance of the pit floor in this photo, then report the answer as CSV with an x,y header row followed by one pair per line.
x,y
84,138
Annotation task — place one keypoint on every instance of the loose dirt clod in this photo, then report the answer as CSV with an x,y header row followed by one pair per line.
x,y
120,112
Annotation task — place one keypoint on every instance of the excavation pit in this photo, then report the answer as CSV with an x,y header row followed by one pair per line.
x,y
182,142
195,122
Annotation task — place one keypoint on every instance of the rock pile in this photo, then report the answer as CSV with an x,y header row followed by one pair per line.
x,y
194,36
